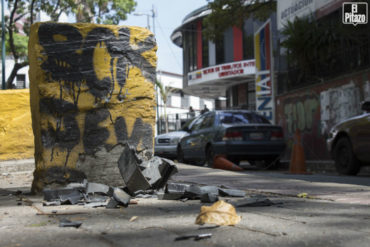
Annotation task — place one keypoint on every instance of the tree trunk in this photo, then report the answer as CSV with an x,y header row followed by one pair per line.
x,y
165,117
17,66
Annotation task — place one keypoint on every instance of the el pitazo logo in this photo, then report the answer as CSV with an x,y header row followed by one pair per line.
x,y
355,13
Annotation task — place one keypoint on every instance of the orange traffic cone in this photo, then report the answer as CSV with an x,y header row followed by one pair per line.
x,y
297,161
220,162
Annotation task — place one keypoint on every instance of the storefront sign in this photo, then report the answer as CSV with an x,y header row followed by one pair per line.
x,y
222,71
264,72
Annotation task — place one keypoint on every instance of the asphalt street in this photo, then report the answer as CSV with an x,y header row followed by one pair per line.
x,y
332,211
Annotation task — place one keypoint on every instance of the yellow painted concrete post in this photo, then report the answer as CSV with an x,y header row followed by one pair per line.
x,y
92,88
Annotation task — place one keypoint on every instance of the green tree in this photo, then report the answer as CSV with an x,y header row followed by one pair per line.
x,y
228,13
23,13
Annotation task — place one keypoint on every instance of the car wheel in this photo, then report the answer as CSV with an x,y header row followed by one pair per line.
x,y
210,155
180,155
345,161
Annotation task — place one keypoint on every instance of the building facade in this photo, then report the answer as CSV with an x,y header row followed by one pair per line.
x,y
176,109
314,89
223,70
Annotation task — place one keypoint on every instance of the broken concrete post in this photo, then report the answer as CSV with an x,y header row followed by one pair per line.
x,y
142,175
92,89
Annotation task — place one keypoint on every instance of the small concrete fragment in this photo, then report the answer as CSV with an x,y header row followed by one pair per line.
x,y
112,203
177,187
70,197
209,198
121,197
96,204
93,188
253,202
68,223
232,192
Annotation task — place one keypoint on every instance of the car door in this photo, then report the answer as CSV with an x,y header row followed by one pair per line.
x,y
205,134
361,138
189,144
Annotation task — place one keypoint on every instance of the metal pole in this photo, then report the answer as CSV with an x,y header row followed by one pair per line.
x,y
3,44
159,122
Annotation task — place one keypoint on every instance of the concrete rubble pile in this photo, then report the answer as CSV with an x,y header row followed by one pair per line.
x,y
138,176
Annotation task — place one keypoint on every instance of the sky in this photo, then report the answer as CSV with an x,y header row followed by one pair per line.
x,y
169,16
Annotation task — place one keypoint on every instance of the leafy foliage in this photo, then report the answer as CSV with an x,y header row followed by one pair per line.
x,y
314,48
227,13
104,11
23,13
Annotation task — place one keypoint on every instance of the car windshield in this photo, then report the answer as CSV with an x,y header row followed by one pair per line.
x,y
242,118
187,124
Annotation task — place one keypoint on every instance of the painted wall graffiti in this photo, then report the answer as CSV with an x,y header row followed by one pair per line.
x,y
338,104
91,87
300,113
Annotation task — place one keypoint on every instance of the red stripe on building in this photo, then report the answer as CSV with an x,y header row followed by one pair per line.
x,y
238,44
199,45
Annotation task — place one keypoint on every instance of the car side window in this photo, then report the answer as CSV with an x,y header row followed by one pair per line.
x,y
196,124
208,121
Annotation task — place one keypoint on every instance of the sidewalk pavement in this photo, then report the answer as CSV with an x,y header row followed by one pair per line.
x,y
336,213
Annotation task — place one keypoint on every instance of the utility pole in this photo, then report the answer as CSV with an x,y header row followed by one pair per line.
x,y
3,45
156,88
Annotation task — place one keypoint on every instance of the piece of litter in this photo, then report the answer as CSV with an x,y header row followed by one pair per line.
x,y
68,223
133,218
220,213
196,237
302,195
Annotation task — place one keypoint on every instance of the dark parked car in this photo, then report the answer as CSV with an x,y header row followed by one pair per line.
x,y
349,143
236,134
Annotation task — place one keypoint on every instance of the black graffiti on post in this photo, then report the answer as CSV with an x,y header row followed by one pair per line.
x,y
66,134
70,61
63,44
141,132
94,135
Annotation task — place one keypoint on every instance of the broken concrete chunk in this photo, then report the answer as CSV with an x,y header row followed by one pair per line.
x,y
169,196
93,188
177,187
142,175
167,168
196,191
51,203
79,186
96,198
209,198
128,165
112,203
68,223
121,197
253,202
232,192
71,197
96,204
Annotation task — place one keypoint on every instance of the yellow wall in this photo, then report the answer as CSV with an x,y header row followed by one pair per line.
x,y
16,137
